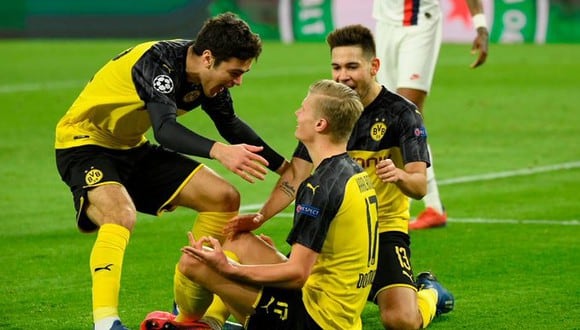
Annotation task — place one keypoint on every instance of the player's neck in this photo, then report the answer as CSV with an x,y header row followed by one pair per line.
x,y
321,150
193,66
373,92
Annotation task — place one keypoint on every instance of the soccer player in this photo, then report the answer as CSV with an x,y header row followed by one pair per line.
x,y
112,170
390,143
408,38
325,281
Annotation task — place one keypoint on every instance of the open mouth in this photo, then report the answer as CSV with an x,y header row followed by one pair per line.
x,y
217,90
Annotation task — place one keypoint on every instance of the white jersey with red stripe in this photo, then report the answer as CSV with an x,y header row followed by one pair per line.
x,y
405,12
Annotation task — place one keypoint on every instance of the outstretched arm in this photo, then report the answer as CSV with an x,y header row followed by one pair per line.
x,y
481,41
281,196
291,274
242,159
285,190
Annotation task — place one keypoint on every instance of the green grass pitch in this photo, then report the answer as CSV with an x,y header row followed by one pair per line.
x,y
507,154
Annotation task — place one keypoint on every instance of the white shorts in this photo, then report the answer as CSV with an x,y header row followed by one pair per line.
x,y
408,54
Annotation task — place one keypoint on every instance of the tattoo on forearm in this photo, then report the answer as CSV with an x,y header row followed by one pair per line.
x,y
288,189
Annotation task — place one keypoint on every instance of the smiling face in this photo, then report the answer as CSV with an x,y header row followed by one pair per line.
x,y
226,74
307,117
351,67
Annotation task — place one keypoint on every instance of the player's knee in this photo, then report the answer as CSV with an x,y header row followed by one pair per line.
x,y
122,215
230,198
128,217
189,266
399,320
238,243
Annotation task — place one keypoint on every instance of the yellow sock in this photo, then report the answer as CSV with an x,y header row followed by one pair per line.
x,y
218,310
106,263
427,300
212,224
192,299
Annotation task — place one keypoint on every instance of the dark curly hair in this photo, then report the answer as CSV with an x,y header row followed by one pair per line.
x,y
227,36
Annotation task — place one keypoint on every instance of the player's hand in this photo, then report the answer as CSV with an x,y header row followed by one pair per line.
x,y
480,46
387,171
243,223
242,159
213,256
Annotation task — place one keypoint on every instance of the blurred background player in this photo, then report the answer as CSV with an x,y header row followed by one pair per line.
x,y
408,38
325,281
114,172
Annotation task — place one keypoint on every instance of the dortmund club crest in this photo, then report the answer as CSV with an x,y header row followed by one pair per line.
x,y
378,129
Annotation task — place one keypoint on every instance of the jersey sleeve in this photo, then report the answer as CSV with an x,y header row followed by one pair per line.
x,y
232,128
154,79
413,137
301,152
171,134
314,210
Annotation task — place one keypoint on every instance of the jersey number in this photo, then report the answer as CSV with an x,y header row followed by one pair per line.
x,y
403,259
371,201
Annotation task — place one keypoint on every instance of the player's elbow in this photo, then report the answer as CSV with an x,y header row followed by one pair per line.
x,y
298,279
417,194
421,192
297,283
164,139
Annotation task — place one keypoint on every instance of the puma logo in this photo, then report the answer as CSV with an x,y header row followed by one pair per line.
x,y
107,267
265,307
313,188
167,67
408,275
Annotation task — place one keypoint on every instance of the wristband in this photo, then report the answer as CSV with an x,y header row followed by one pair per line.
x,y
479,21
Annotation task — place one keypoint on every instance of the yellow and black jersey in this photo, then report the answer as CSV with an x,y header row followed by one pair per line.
x,y
389,127
336,216
145,85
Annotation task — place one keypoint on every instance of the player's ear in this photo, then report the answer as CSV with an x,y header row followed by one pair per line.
x,y
207,58
375,66
321,124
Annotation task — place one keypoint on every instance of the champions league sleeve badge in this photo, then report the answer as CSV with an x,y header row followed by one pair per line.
x,y
163,84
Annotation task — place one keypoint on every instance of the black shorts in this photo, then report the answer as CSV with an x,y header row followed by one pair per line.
x,y
394,268
150,173
281,309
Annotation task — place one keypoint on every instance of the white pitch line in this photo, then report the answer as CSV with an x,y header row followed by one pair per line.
x,y
53,85
509,174
33,87
484,177
519,222
472,220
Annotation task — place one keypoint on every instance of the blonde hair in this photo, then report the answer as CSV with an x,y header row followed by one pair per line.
x,y
339,105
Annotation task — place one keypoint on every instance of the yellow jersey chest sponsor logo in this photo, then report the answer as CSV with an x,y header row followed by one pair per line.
x,y
369,162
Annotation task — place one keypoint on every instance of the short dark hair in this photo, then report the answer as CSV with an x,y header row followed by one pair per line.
x,y
226,36
353,35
